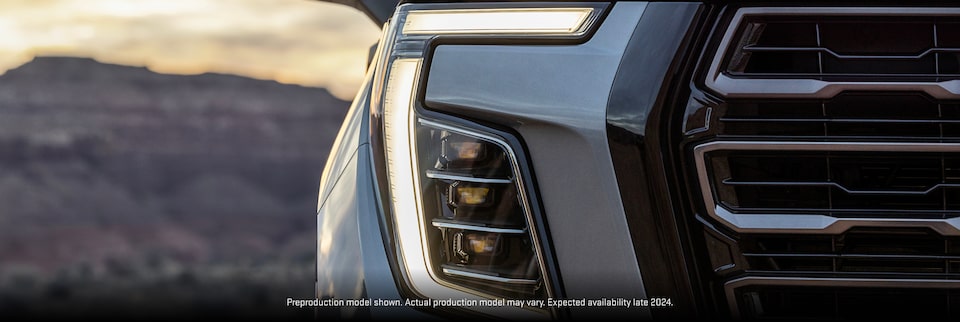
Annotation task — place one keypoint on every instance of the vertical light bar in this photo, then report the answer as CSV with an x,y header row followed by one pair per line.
x,y
397,104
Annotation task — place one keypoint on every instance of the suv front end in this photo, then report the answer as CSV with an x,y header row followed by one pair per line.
x,y
546,160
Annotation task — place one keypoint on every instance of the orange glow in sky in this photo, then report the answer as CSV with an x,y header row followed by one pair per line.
x,y
291,41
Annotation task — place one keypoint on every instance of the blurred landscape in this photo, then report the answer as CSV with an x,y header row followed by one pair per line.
x,y
124,191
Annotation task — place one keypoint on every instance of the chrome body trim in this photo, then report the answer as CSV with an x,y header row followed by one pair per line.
x,y
456,272
447,224
447,176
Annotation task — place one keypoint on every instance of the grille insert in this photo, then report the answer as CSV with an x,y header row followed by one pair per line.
x,y
847,47
828,187
887,251
820,52
849,115
839,183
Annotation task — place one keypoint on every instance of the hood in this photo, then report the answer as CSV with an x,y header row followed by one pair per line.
x,y
378,10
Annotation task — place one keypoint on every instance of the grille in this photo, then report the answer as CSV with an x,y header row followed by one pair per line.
x,y
828,158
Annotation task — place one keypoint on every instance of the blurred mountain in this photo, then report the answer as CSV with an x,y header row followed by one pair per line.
x,y
119,177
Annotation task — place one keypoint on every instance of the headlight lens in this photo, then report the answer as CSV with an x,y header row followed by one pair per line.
x,y
461,208
479,211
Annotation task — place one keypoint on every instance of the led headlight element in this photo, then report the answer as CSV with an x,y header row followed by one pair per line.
x,y
473,196
458,151
467,150
483,243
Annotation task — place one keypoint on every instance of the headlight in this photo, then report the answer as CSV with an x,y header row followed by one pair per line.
x,y
459,201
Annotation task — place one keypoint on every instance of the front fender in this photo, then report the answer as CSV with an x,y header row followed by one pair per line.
x,y
352,260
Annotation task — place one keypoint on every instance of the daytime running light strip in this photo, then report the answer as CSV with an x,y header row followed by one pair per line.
x,y
497,21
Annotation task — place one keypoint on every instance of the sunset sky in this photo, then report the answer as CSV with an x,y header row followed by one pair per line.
x,y
292,41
